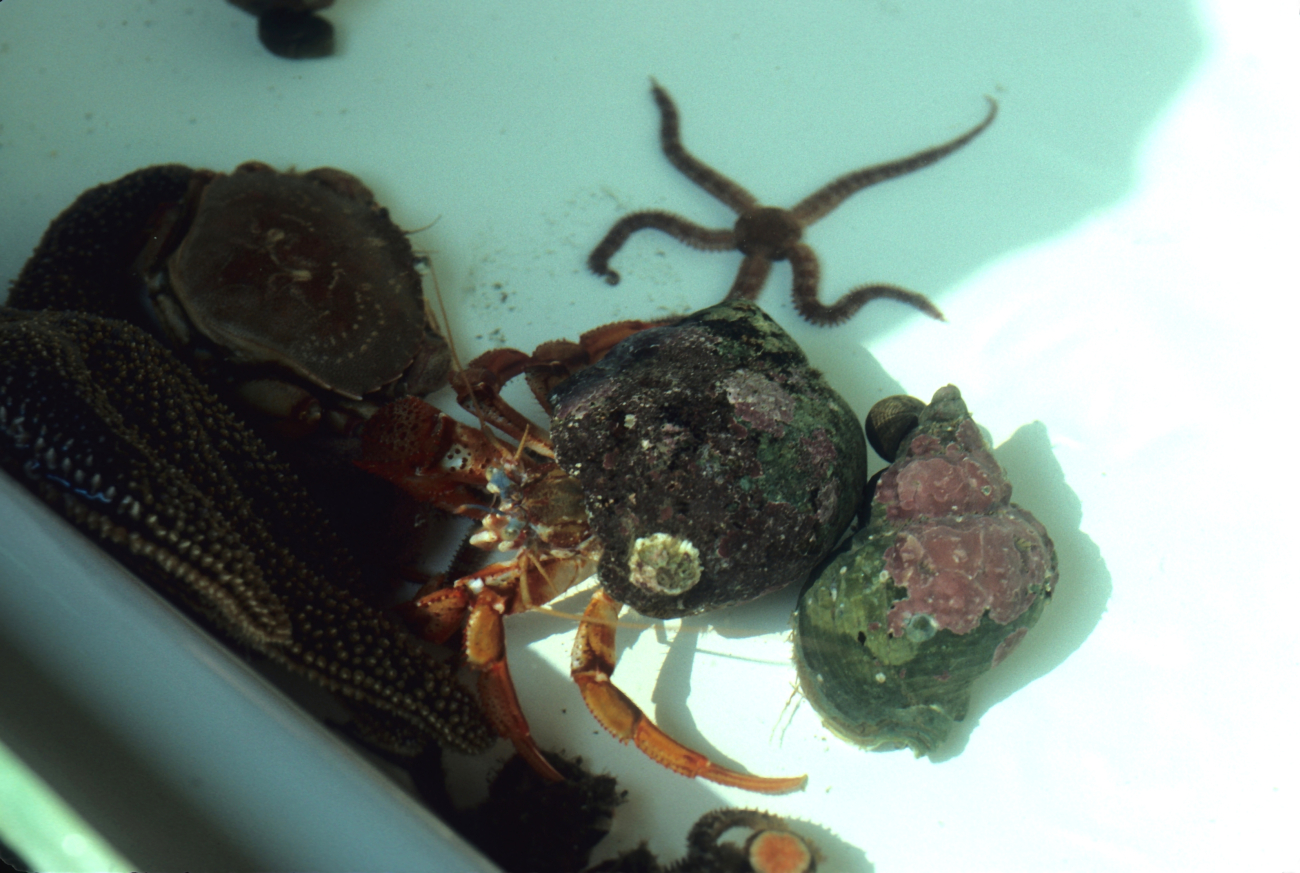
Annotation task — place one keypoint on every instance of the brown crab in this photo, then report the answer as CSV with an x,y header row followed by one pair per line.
x,y
293,294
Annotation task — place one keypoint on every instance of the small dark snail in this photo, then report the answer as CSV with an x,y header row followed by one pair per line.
x,y
942,582
295,35
890,420
291,28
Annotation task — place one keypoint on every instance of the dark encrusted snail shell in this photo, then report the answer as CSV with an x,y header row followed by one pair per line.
x,y
942,582
890,420
716,464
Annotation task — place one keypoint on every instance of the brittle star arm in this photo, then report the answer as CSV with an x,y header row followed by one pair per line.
x,y
751,276
691,167
807,273
675,226
822,201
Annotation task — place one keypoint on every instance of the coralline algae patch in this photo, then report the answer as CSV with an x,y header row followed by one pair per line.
x,y
958,571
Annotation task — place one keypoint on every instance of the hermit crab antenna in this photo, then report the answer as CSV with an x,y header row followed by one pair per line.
x,y
523,440
445,325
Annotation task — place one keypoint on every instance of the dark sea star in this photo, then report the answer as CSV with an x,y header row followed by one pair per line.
x,y
764,234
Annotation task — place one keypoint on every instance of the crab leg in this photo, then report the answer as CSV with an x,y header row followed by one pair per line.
x,y
440,612
478,386
485,651
479,602
478,389
592,668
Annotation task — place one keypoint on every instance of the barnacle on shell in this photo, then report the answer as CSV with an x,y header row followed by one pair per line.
x,y
941,584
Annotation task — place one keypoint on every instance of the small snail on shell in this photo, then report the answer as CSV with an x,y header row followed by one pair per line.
x,y
942,582
890,420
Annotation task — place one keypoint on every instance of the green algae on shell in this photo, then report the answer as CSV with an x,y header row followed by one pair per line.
x,y
716,464
944,580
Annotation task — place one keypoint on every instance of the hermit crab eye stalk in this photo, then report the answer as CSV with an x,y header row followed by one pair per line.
x,y
500,483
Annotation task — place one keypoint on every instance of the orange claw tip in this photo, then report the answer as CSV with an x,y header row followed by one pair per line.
x,y
528,750
759,784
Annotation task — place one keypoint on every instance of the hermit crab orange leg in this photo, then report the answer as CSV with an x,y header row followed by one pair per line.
x,y
592,668
478,389
485,651
502,589
445,611
478,386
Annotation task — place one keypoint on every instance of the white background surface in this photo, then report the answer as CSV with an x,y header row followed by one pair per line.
x,y
1113,256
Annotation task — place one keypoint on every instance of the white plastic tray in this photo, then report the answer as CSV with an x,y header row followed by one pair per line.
x,y
1113,257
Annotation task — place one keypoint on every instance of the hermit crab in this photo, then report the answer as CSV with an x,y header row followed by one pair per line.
x,y
692,464
940,585
293,294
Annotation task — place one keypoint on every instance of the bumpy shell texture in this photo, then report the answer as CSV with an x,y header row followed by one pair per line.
x,y
265,254
120,437
941,584
717,464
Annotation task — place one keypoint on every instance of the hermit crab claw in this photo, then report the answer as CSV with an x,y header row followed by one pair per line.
x,y
592,668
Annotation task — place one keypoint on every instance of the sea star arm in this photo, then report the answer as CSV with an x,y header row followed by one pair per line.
x,y
749,280
822,201
674,225
807,275
692,167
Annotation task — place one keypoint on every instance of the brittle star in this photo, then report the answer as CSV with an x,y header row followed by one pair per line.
x,y
764,234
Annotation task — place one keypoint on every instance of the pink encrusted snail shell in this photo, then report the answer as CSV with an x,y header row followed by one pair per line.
x,y
943,581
